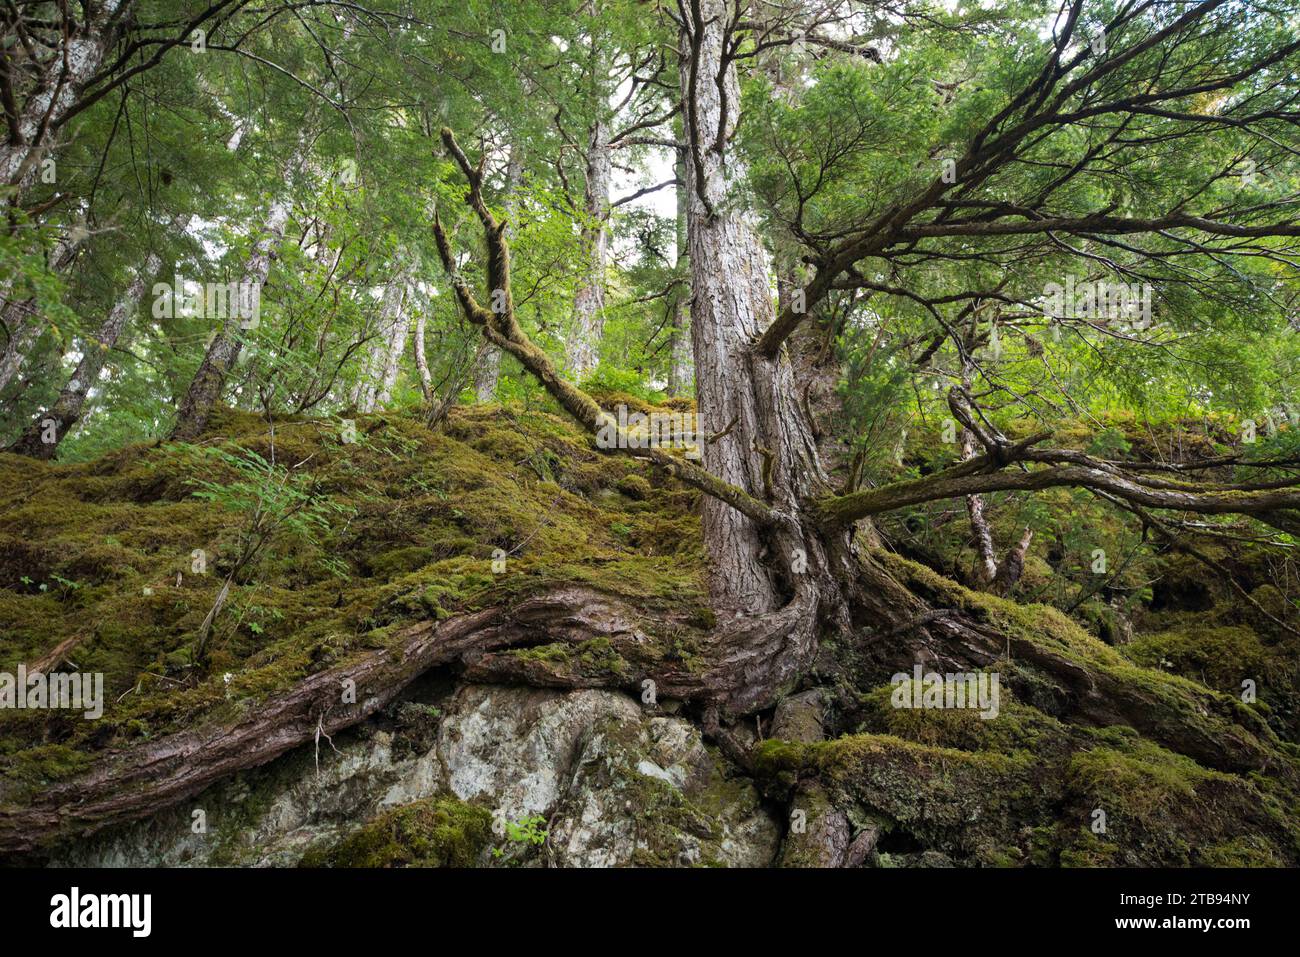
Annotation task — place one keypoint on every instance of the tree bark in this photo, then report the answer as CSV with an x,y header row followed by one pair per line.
x,y
487,370
20,319
383,361
986,562
589,303
206,387
57,89
761,440
422,361
679,350
42,437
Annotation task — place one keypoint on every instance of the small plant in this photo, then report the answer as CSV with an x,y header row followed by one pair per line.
x,y
66,585
527,831
272,498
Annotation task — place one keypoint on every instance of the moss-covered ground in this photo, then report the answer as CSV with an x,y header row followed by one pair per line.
x,y
121,559
396,524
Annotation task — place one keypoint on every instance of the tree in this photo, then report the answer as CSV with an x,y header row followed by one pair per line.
x,y
787,555
890,217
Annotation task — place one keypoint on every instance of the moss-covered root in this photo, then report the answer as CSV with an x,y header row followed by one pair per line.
x,y
1051,662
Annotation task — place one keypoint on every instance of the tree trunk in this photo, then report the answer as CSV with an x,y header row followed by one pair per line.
x,y
679,349
763,444
421,361
589,303
379,373
24,329
20,319
42,437
57,91
487,370
206,387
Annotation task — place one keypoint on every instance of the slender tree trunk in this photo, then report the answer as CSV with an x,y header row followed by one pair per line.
x,y
369,385
387,357
422,361
24,329
206,387
589,303
30,129
986,562
679,349
21,320
487,371
42,437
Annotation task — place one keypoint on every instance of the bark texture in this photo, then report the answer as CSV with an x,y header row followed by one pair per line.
x,y
223,352
679,350
589,303
56,90
760,440
487,367
383,361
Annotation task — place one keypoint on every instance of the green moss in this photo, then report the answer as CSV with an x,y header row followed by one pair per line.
x,y
423,518
1163,809
1142,782
401,561
435,832
1181,714
37,767
1219,657
591,659
634,486
1016,727
960,802
1240,852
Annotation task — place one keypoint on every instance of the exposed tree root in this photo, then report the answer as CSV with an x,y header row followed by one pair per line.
x,y
129,784
746,666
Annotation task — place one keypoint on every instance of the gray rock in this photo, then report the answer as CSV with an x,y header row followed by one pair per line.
x,y
616,786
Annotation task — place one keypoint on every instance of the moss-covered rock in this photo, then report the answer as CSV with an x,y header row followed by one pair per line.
x,y
120,560
435,832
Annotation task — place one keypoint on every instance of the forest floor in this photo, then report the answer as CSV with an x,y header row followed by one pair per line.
x,y
373,547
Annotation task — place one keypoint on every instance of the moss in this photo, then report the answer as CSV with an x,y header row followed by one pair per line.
x,y
959,802
37,767
1142,782
635,487
435,832
592,659
423,518
1219,657
1016,727
1179,713
1240,852
401,561
1162,809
